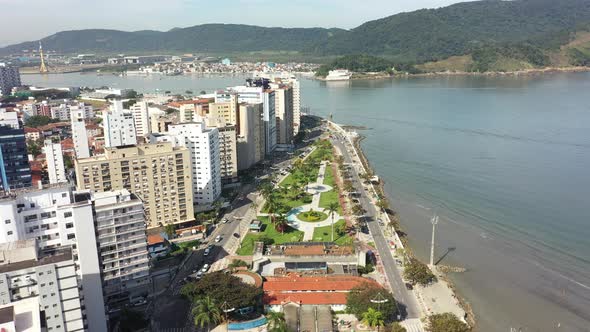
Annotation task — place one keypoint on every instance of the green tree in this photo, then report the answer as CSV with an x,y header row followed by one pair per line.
x,y
331,210
446,322
418,273
170,231
206,312
38,121
341,229
395,327
221,288
358,301
373,318
33,148
276,322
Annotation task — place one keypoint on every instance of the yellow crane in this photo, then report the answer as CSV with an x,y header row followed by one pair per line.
x,y
42,67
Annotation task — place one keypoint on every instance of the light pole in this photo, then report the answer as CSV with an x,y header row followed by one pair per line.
x,y
434,221
226,309
379,299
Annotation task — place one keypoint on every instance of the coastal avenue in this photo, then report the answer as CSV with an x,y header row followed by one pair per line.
x,y
408,304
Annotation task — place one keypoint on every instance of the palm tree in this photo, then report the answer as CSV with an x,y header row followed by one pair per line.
x,y
281,222
373,318
276,322
272,206
266,189
332,209
206,312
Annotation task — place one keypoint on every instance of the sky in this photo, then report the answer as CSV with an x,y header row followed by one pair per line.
x,y
26,20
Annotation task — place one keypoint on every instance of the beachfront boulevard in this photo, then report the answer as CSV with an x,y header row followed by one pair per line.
x,y
406,299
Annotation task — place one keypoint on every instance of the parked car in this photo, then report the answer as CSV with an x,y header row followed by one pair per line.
x,y
218,238
206,252
199,275
205,268
409,286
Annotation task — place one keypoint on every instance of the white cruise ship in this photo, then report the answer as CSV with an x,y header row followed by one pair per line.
x,y
338,75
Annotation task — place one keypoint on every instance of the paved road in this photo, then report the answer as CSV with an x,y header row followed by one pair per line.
x,y
406,300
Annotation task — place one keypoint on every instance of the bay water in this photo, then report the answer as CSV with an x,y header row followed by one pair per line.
x,y
503,161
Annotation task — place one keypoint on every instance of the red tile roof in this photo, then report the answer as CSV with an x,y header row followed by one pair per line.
x,y
155,239
314,283
315,298
310,290
67,144
31,130
187,102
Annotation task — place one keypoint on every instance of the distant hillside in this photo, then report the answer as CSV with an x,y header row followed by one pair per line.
x,y
477,36
432,34
201,38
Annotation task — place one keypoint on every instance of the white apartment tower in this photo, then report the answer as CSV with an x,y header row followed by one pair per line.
x,y
55,162
284,113
141,118
56,218
203,144
49,281
79,134
122,242
250,141
119,126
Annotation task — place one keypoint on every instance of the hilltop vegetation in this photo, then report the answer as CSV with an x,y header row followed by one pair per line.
x,y
490,35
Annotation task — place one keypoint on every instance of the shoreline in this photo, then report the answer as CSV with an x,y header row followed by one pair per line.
x,y
393,215
523,72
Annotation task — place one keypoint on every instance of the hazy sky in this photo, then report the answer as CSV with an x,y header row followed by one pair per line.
x,y
24,20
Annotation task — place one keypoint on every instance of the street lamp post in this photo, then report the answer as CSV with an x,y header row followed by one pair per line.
x,y
379,299
226,309
434,221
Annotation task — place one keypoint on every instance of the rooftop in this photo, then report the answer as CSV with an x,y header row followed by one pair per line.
x,y
309,249
155,239
46,258
298,283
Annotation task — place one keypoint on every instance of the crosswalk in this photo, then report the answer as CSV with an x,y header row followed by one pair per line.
x,y
413,325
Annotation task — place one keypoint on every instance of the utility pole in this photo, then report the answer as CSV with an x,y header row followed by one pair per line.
x,y
434,221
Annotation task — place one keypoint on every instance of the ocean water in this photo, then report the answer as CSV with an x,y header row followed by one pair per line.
x,y
504,162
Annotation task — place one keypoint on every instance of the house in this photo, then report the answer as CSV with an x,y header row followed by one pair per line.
x,y
255,226
157,246
32,134
310,290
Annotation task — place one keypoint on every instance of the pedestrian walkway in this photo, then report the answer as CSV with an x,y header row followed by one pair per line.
x,y
412,325
315,189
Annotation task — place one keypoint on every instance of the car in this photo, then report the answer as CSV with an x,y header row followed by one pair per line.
x,y
224,220
205,268
206,252
409,286
218,238
199,275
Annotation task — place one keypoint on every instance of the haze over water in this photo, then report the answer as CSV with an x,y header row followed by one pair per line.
x,y
504,162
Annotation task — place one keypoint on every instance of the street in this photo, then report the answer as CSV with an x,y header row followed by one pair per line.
x,y
407,302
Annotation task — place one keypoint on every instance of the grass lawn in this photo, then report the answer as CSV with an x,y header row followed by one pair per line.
x,y
314,216
329,177
189,244
292,203
324,234
291,235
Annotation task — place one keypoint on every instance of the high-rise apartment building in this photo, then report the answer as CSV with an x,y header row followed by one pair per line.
x,y
203,144
122,242
250,141
79,134
9,78
228,155
158,174
63,111
257,92
119,126
15,171
57,218
284,113
50,279
141,118
55,162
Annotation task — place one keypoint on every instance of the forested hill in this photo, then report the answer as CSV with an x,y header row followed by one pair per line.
x,y
489,30
207,38
430,34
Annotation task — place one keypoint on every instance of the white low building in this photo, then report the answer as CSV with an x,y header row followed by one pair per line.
x,y
119,126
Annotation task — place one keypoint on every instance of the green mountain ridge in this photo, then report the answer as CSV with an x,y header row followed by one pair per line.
x,y
492,32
